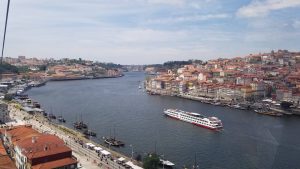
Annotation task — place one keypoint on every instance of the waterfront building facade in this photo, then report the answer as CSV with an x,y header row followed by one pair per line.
x,y
251,78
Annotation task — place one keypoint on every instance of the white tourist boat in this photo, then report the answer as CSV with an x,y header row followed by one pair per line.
x,y
166,163
207,122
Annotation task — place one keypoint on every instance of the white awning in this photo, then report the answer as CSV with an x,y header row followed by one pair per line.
x,y
88,144
267,100
121,159
133,166
104,152
98,148
28,109
38,110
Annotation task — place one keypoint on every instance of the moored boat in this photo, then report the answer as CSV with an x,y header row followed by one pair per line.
x,y
36,105
89,133
80,125
197,119
23,97
77,126
270,113
61,119
237,106
113,142
52,116
166,163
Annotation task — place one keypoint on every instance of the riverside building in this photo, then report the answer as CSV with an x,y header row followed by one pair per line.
x,y
33,150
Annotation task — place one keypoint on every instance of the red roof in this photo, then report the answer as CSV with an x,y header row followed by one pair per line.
x,y
56,164
2,149
19,133
6,163
42,146
5,160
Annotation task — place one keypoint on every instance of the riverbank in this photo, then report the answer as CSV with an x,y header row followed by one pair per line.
x,y
74,139
18,87
228,103
83,78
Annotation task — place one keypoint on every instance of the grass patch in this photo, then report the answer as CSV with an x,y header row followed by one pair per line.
x,y
66,130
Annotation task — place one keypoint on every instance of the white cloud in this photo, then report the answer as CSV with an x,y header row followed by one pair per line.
x,y
192,18
192,4
296,24
115,30
167,2
259,8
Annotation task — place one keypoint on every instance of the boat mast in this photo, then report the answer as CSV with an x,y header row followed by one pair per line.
x,y
110,133
155,147
76,118
195,162
114,133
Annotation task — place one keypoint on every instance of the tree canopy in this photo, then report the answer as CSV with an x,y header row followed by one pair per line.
x,y
151,161
7,68
175,64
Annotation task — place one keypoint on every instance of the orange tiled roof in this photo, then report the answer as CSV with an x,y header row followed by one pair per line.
x,y
20,133
44,145
6,163
55,164
216,70
2,149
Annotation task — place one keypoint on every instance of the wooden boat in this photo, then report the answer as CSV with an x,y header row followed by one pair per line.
x,y
61,119
36,105
52,116
270,113
80,125
77,126
45,114
89,133
113,142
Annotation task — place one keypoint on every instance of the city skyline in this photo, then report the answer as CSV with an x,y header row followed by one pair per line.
x,y
149,31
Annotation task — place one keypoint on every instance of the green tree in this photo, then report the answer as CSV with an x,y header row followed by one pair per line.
x,y
138,157
7,68
43,67
151,161
8,97
23,69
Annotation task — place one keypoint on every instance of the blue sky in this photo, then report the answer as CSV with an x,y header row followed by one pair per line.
x,y
149,31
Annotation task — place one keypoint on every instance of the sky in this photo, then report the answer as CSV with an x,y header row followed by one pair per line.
x,y
149,31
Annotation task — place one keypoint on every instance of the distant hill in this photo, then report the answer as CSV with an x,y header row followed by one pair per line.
x,y
175,64
109,65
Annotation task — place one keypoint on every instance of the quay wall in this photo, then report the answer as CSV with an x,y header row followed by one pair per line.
x,y
210,100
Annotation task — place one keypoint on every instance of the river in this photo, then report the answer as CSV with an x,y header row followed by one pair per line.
x,y
249,140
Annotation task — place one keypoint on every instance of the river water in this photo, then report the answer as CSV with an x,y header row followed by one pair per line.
x,y
249,140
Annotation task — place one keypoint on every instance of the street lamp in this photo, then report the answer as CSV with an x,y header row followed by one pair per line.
x,y
131,151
